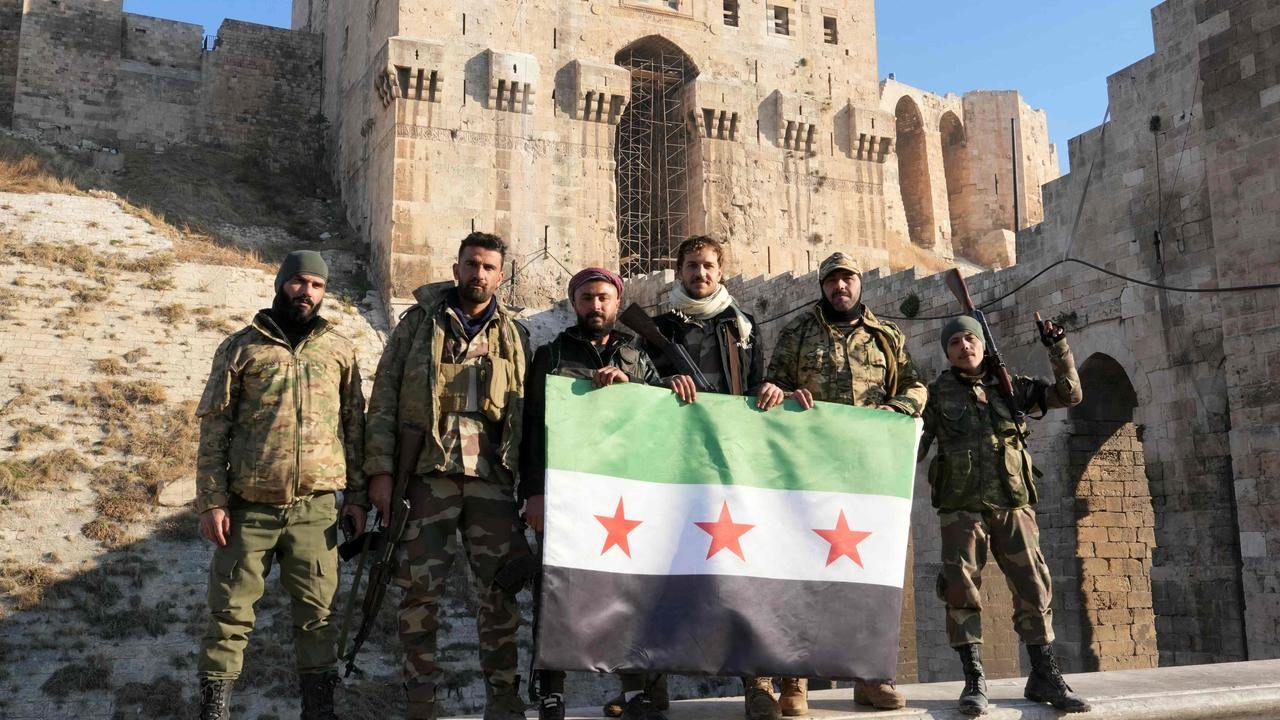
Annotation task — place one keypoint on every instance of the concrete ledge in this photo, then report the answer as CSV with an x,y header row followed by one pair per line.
x,y
1228,691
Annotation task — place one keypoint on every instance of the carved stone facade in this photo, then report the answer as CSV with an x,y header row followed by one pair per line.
x,y
604,132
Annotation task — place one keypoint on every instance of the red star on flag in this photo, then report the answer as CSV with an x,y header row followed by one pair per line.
x,y
844,542
725,533
618,527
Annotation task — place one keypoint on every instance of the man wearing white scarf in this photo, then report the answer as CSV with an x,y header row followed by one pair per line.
x,y
723,343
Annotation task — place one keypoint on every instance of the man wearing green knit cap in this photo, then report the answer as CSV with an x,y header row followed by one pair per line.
x,y
981,482
281,432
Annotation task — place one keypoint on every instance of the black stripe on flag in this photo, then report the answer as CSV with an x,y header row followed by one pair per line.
x,y
717,625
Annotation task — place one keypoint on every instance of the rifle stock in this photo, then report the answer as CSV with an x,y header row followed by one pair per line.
x,y
409,447
635,318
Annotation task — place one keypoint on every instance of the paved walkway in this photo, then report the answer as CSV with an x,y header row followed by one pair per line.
x,y
1229,691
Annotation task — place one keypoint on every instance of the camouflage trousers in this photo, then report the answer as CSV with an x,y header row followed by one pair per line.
x,y
1013,537
302,539
484,513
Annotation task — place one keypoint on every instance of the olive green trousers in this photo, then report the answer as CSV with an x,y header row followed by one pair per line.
x,y
302,540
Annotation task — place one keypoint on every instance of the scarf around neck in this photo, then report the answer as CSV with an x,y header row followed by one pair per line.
x,y
709,307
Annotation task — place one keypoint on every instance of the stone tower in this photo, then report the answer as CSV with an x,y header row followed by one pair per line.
x,y
606,131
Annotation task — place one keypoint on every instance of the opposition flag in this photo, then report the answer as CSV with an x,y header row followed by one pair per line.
x,y
714,538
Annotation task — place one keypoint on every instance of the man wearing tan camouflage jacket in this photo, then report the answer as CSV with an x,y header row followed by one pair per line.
x,y
839,351
455,369
281,432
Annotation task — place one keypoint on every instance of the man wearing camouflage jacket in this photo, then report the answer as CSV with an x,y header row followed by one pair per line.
x,y
455,367
839,351
281,431
981,482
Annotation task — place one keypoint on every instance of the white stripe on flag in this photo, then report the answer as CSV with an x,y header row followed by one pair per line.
x,y
782,544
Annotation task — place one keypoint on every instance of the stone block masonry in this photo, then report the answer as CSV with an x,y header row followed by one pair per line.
x,y
84,69
10,29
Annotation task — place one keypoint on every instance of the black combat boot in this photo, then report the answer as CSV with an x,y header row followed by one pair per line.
x,y
215,699
317,695
1045,683
973,699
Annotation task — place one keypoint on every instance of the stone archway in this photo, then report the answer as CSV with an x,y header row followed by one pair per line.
x,y
652,155
955,166
913,174
1108,622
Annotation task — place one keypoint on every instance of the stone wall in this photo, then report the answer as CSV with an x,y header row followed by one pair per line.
x,y
86,70
262,85
68,70
10,29
1240,66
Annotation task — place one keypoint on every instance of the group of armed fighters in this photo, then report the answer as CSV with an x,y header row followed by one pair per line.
x,y
288,455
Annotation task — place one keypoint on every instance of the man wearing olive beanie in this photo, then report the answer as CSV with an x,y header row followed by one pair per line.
x,y
281,432
982,484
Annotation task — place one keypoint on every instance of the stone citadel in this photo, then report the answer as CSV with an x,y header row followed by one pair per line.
x,y
601,132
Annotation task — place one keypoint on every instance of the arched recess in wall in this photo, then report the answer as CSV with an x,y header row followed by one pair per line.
x,y
652,155
1114,623
913,173
955,165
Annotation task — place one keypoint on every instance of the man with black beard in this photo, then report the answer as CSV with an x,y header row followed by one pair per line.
x,y
595,349
281,432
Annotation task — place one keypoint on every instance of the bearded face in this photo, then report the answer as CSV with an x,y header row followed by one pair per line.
x,y
596,305
303,295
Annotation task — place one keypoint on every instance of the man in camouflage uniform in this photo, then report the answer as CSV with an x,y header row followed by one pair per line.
x,y
281,431
981,482
455,368
724,343
593,348
840,352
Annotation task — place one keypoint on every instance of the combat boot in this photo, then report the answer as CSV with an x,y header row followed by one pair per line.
x,y
215,699
317,695
551,707
421,701
973,699
758,698
658,693
1045,683
503,703
879,694
794,698
641,707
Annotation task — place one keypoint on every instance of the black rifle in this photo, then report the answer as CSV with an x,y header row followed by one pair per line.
x,y
383,548
635,318
993,360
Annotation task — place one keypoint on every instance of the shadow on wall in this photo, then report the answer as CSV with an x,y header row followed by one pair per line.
x,y
1114,526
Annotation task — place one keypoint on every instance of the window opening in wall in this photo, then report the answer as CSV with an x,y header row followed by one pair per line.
x,y
830,35
464,23
731,13
781,24
402,77
651,152
346,32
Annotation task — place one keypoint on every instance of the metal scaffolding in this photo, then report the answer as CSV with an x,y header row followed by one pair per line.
x,y
653,176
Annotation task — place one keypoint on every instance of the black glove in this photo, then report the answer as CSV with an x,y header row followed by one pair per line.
x,y
1050,333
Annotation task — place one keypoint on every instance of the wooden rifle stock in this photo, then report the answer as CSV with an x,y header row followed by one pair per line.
x,y
993,360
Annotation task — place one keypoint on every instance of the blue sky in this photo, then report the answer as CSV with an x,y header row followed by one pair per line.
x,y
1057,53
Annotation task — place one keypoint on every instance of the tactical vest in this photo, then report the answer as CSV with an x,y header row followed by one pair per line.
x,y
481,383
981,460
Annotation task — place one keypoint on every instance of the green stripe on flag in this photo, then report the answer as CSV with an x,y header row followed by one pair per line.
x,y
644,433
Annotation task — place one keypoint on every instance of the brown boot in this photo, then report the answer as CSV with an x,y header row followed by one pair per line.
x,y
794,698
759,700
879,694
422,701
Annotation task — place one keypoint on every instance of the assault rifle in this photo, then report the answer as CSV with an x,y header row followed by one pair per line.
x,y
993,361
381,543
635,318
